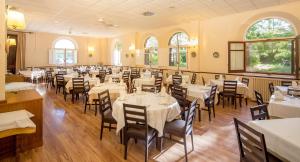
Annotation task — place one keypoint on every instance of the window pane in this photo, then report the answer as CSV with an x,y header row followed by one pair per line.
x,y
64,43
173,57
71,57
146,62
236,60
154,57
59,56
270,57
183,51
270,28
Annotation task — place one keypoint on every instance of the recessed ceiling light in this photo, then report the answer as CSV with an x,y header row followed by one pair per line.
x,y
148,13
171,7
100,19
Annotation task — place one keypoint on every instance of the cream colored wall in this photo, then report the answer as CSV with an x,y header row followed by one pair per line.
x,y
213,35
2,50
38,45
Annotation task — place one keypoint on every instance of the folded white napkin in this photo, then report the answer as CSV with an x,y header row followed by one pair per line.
x,y
278,95
294,84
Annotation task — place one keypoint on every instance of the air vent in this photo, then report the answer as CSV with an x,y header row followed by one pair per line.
x,y
148,13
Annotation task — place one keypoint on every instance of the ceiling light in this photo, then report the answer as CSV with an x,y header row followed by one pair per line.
x,y
100,19
15,19
148,13
171,7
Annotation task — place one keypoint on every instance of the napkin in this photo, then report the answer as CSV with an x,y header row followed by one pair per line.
x,y
278,95
294,84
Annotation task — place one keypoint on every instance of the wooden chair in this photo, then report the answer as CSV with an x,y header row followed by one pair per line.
x,y
259,98
217,76
78,87
125,78
102,75
180,94
136,126
229,91
60,82
115,80
105,109
148,88
260,112
158,83
241,96
87,97
286,83
183,128
209,103
62,72
271,88
49,78
293,92
194,78
252,144
176,80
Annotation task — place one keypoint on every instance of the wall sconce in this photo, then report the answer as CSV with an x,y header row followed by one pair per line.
x,y
91,51
15,19
131,49
193,45
10,42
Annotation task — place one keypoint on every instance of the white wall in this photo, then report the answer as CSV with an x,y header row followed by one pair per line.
x,y
2,50
38,45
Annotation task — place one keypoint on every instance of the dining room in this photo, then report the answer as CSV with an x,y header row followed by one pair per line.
x,y
150,80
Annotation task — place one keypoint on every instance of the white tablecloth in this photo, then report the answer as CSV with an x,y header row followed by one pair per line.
x,y
288,108
92,82
157,114
185,79
16,119
32,74
109,76
281,89
241,87
112,87
138,82
18,86
282,136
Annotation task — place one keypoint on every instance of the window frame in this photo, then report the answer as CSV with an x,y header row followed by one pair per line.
x,y
117,46
177,47
149,53
294,51
75,52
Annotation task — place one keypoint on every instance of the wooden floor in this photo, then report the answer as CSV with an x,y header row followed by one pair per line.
x,y
71,135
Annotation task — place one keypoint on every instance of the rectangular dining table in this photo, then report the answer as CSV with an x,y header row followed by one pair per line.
x,y
282,137
289,107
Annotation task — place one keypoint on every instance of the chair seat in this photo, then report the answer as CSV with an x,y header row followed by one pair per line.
x,y
140,133
227,94
175,127
108,118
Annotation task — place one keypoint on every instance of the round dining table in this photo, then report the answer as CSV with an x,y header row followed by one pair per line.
x,y
161,108
113,88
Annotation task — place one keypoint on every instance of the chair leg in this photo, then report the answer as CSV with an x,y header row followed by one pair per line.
x,y
125,145
146,151
101,129
96,109
234,102
213,108
85,107
208,108
121,136
223,98
199,114
72,97
240,99
246,100
185,149
192,140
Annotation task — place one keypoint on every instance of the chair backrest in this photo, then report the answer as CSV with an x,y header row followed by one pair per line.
x,y
59,79
203,81
176,79
293,92
109,71
271,88
230,86
245,81
78,84
212,95
87,86
115,80
148,88
48,74
104,102
190,117
180,94
259,112
286,83
102,74
158,83
194,78
252,143
259,98
135,117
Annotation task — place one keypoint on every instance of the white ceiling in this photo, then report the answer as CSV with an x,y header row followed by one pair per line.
x,y
59,16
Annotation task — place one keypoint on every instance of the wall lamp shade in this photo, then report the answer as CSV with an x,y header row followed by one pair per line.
x,y
91,51
15,20
11,42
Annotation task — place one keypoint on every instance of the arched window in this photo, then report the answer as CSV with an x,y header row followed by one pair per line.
x,y
275,53
151,51
268,48
117,54
178,46
64,52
